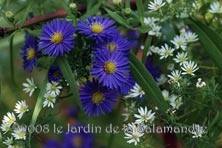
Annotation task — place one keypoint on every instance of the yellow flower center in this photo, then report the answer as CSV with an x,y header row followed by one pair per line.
x,y
181,59
96,28
56,38
177,102
53,87
110,67
77,141
111,46
23,109
11,120
21,134
50,99
97,97
31,53
189,70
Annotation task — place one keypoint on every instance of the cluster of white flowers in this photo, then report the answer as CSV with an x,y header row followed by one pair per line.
x,y
174,100
128,111
156,5
29,86
153,24
9,122
53,89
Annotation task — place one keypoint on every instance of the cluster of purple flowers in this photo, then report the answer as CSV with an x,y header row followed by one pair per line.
x,y
110,63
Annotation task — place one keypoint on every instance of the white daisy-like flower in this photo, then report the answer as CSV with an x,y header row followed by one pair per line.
x,y
215,7
175,101
198,131
53,88
29,87
161,80
190,36
155,30
175,75
155,5
20,108
181,58
165,51
165,94
154,49
9,118
189,67
150,21
179,42
8,141
136,91
5,127
50,100
200,83
133,134
19,133
127,111
144,116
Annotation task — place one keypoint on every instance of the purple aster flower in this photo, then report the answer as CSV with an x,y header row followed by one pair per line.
x,y
29,52
78,139
133,37
97,27
117,43
97,99
54,74
126,86
111,69
57,38
51,143
154,70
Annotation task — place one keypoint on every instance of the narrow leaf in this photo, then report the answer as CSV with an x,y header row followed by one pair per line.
x,y
91,11
68,75
146,81
139,5
146,48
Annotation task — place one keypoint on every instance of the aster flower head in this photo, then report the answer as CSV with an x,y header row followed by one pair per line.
x,y
20,108
175,101
111,69
8,141
57,38
215,7
190,36
50,100
29,87
19,133
181,58
30,52
5,127
189,67
54,74
136,91
156,5
97,99
9,118
165,51
144,116
179,42
175,76
53,88
97,27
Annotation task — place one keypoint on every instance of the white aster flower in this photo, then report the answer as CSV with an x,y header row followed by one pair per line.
x,y
154,49
136,91
155,30
165,94
179,42
29,87
5,127
19,133
150,21
20,108
175,76
8,141
155,5
215,7
175,101
9,118
181,58
144,116
165,51
190,36
161,80
53,88
127,111
50,100
133,134
189,68
198,131
200,83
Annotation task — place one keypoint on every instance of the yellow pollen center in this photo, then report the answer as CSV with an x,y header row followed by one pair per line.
x,y
11,120
77,141
53,87
96,28
189,69
21,134
110,67
56,38
111,46
30,53
97,97
176,102
50,99
23,108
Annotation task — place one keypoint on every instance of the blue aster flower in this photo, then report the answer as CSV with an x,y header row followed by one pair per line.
x,y
54,74
111,69
79,139
126,86
29,52
57,38
51,143
154,70
97,27
97,99
117,43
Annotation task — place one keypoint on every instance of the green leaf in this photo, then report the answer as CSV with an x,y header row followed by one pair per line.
x,y
146,81
68,75
139,5
117,18
142,29
38,106
146,48
207,42
91,10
